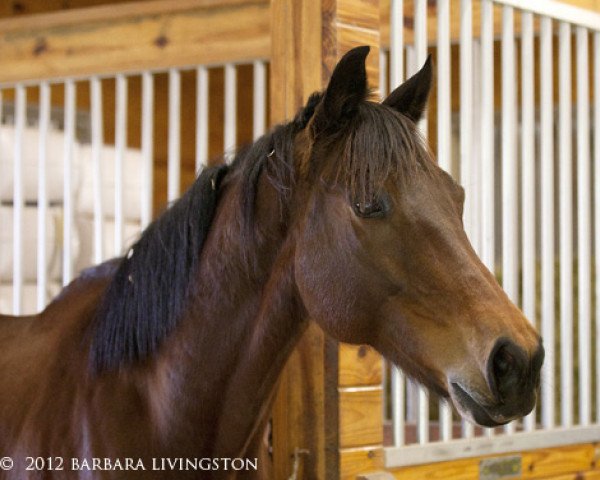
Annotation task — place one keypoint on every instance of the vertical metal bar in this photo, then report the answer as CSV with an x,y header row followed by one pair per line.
x,y
174,160
18,202
97,180
421,55
259,99
147,147
421,47
69,142
398,381
120,145
383,74
528,186
566,225
547,220
398,406
396,44
476,169
487,135
584,227
444,143
230,111
444,153
42,203
466,109
509,164
201,118
597,208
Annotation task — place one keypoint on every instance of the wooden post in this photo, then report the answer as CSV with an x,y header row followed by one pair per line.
x,y
327,418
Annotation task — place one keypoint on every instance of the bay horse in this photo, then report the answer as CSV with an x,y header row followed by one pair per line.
x,y
340,216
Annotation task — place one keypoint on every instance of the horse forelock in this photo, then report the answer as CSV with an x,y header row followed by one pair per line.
x,y
378,143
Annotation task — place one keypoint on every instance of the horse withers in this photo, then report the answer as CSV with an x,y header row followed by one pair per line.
x,y
340,216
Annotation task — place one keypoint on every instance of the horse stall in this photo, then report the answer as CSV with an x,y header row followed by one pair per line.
x,y
109,109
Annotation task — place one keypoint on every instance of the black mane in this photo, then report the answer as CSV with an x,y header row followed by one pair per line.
x,y
133,318
152,284
149,291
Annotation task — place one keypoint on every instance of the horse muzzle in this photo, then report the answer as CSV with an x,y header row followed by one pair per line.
x,y
512,379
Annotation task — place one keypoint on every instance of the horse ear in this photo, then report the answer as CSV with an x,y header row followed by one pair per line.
x,y
410,98
347,88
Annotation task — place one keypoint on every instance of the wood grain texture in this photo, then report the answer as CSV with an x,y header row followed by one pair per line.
x,y
359,365
300,404
356,461
198,35
361,413
562,462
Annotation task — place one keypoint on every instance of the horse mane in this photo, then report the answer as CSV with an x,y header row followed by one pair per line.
x,y
132,319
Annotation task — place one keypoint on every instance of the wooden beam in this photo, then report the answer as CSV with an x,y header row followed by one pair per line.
x,y
559,462
299,410
133,37
308,38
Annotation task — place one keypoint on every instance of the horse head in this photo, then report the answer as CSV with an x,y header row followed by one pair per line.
x,y
382,257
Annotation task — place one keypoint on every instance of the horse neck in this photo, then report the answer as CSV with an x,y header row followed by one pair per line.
x,y
248,326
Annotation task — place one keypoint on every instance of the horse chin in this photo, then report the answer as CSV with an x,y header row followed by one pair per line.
x,y
471,410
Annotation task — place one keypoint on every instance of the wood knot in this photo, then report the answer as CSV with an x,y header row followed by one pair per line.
x,y
362,351
40,46
161,41
18,7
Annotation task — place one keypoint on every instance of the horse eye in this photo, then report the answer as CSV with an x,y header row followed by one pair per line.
x,y
372,208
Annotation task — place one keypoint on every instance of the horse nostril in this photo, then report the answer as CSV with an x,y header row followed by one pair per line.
x,y
503,363
507,367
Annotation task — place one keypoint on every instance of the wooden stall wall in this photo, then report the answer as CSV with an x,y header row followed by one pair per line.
x,y
75,42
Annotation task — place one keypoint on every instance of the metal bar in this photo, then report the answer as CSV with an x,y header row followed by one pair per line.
x,y
201,118
547,221
420,57
147,147
584,228
120,145
396,75
383,74
398,405
18,201
421,47
444,143
487,135
230,132
510,256
444,152
69,142
566,225
259,100
475,161
466,109
97,180
396,44
42,200
597,209
174,160
528,186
